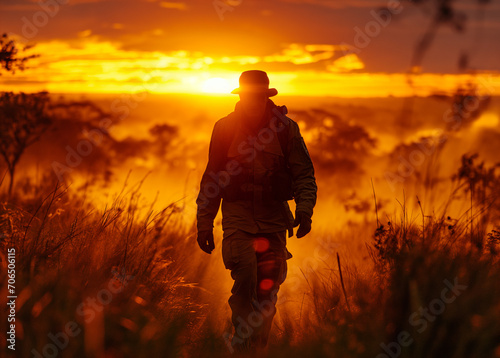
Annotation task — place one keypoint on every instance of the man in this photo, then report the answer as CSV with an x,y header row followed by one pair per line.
x,y
257,161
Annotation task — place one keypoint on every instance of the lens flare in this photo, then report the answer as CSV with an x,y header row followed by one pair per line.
x,y
261,244
266,284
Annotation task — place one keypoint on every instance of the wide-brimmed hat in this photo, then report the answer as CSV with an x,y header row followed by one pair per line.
x,y
255,81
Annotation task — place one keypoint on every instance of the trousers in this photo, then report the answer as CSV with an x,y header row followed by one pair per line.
x,y
258,267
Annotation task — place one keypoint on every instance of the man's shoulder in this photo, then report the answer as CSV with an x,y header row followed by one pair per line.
x,y
223,127
225,119
224,122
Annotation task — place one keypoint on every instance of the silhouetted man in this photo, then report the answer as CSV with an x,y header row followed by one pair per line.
x,y
257,161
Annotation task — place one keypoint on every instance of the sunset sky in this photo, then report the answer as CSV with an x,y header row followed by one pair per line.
x,y
312,47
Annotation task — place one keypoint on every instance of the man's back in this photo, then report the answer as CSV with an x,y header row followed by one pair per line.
x,y
251,201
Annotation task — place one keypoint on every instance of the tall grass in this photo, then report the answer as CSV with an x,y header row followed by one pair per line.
x,y
68,252
412,264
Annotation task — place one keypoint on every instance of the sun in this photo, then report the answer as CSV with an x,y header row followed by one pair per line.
x,y
216,85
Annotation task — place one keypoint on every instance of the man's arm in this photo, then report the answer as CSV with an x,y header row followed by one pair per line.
x,y
301,166
209,197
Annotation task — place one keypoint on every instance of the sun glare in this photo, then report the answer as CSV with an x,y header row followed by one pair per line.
x,y
216,85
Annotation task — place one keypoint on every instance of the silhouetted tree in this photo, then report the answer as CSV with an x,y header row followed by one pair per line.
x,y
23,119
9,59
467,106
163,134
337,145
81,141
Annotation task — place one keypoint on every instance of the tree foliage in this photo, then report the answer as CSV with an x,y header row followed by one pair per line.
x,y
9,55
23,119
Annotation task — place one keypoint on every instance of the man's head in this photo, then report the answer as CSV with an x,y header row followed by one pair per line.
x,y
254,92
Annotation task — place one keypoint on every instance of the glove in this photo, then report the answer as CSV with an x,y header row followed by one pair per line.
x,y
304,220
206,241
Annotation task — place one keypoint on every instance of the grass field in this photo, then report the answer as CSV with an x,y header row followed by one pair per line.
x,y
129,282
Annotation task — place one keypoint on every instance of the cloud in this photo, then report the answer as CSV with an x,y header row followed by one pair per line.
x,y
346,63
300,54
320,57
91,64
89,58
173,5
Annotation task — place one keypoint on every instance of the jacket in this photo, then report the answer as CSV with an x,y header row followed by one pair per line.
x,y
254,173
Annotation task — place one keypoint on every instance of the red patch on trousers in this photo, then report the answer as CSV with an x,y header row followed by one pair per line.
x,y
261,244
266,284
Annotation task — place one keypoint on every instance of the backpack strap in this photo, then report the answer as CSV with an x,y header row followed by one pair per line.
x,y
228,130
283,134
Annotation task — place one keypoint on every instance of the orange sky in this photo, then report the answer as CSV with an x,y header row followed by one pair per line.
x,y
312,47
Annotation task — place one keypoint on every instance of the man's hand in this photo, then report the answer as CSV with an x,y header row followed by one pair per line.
x,y
302,219
206,241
